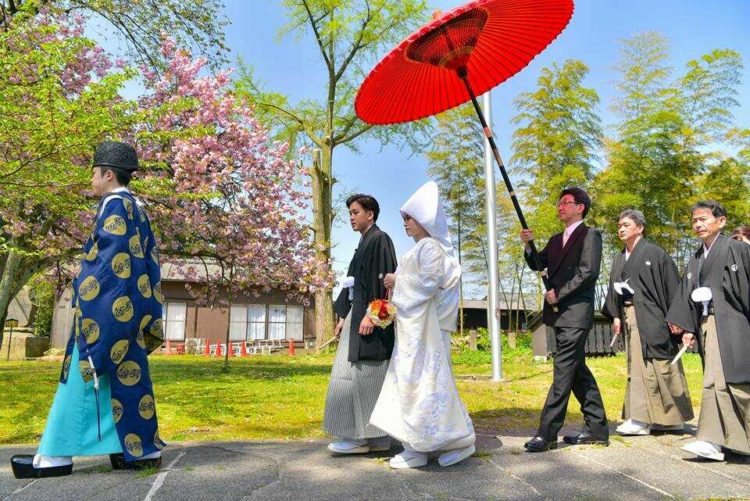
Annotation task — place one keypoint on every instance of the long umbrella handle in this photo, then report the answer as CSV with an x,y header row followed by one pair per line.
x,y
463,75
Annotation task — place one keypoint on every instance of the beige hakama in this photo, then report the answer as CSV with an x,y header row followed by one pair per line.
x,y
725,407
657,392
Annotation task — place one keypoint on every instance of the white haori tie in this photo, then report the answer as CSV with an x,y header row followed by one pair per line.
x,y
348,283
702,295
621,287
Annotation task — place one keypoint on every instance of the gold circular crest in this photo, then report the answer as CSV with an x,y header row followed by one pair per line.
x,y
119,350
128,207
117,410
158,442
129,373
87,372
134,445
121,265
135,246
115,225
90,330
89,288
156,329
139,337
146,407
122,309
140,340
144,321
66,367
93,251
155,254
144,286
157,293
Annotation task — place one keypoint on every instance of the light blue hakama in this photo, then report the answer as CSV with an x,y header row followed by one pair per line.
x,y
71,428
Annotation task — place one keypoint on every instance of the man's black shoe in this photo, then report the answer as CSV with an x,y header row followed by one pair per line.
x,y
538,444
119,463
585,438
23,467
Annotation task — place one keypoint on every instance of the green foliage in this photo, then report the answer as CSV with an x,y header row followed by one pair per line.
x,y
43,296
669,146
191,23
483,354
557,140
350,35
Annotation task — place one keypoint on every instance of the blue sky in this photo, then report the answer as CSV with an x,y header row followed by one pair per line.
x,y
293,67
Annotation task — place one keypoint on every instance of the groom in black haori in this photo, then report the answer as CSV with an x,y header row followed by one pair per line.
x,y
712,309
641,285
364,349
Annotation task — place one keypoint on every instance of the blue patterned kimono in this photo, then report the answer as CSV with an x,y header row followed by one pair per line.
x,y
117,302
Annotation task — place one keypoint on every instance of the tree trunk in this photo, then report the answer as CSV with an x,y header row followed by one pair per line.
x,y
322,192
15,273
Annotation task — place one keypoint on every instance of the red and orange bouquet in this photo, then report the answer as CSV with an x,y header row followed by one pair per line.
x,y
381,312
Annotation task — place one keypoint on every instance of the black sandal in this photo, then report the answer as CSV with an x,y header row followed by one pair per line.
x,y
23,467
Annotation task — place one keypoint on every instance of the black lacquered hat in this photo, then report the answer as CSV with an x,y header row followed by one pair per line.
x,y
116,154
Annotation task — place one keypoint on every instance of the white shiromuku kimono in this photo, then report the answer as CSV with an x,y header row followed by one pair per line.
x,y
419,403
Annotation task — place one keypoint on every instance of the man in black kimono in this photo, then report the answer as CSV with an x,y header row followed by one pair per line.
x,y
641,285
364,349
572,260
712,308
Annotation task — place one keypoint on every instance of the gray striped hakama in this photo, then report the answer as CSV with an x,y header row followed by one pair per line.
x,y
352,392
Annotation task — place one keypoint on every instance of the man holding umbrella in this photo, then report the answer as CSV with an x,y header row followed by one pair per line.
x,y
572,260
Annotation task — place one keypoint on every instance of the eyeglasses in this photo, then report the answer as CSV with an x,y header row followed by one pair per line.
x,y
567,203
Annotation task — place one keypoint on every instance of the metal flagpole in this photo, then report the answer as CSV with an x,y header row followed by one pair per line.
x,y
493,323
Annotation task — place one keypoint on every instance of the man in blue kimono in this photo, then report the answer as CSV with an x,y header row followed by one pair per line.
x,y
105,404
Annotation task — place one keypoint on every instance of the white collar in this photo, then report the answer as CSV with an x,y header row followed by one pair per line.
x,y
706,249
570,229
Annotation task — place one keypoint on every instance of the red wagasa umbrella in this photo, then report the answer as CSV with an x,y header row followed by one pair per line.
x,y
458,55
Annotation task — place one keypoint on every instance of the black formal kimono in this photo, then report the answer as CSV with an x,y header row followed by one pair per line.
x,y
657,392
726,271
361,361
652,274
373,259
723,335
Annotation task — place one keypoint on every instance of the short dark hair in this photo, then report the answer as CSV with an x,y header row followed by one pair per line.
x,y
635,215
579,195
367,202
123,177
741,231
715,207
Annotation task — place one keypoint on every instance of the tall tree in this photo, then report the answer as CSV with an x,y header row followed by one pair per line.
x,y
231,201
646,169
349,35
667,150
218,188
58,97
140,24
556,143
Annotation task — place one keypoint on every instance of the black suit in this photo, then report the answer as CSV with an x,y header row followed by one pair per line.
x,y
572,271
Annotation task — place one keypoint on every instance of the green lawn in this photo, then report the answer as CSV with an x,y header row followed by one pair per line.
x,y
281,397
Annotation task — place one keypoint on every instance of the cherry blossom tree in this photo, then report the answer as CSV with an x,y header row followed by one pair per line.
x,y
58,97
218,189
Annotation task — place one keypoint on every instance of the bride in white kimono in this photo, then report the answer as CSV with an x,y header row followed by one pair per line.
x,y
419,403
